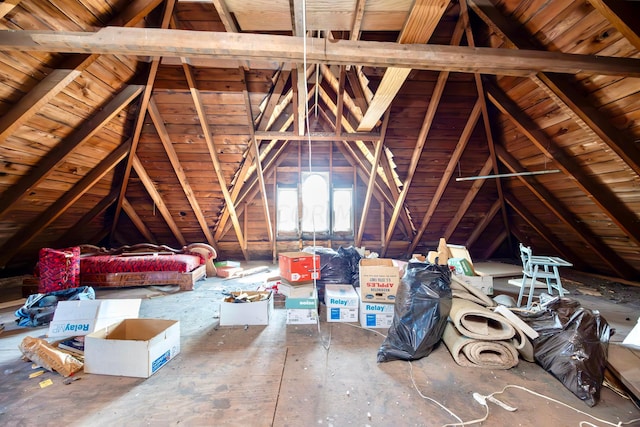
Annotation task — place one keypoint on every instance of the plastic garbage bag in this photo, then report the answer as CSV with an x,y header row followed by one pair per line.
x,y
421,309
38,310
573,346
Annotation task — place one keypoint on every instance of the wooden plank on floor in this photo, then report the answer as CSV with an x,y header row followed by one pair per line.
x,y
624,362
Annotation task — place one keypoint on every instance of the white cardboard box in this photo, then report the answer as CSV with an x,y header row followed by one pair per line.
x,y
132,347
76,318
376,315
342,303
379,280
248,313
302,316
296,291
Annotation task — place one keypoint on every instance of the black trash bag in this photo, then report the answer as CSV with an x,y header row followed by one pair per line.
x,y
421,309
573,346
38,310
335,268
353,256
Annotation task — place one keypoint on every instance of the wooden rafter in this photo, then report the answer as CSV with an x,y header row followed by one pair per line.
x,y
208,136
448,173
621,16
161,129
417,153
225,16
388,180
543,231
358,14
192,44
483,224
56,156
142,112
372,178
340,106
420,25
157,198
468,199
464,15
337,86
58,208
563,91
7,6
138,222
581,231
70,68
606,200
256,153
268,113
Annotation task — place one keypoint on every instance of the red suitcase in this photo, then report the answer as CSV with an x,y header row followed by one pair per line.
x,y
59,269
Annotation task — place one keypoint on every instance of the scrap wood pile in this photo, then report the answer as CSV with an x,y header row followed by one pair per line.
x,y
567,340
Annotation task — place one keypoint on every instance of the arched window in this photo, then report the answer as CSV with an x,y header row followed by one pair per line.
x,y
315,203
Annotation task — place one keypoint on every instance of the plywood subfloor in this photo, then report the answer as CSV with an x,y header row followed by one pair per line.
x,y
278,375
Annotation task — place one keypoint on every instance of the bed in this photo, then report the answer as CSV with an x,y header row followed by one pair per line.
x,y
146,264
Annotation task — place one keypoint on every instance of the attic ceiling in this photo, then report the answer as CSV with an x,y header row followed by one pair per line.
x,y
174,121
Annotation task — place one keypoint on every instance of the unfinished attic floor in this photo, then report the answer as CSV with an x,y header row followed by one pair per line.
x,y
288,375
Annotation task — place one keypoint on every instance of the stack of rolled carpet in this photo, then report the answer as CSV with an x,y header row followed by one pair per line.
x,y
479,336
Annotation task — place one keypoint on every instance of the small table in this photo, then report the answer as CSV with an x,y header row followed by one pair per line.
x,y
552,262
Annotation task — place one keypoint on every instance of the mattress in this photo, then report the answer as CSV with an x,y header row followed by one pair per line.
x,y
181,263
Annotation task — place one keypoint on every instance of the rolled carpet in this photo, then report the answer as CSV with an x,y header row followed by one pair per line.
x,y
479,353
475,321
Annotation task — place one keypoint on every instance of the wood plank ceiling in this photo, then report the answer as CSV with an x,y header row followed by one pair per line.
x,y
174,121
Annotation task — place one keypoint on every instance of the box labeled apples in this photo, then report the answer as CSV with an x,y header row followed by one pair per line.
x,y
379,280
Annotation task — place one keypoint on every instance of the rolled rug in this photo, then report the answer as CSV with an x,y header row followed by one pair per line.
x,y
475,321
479,353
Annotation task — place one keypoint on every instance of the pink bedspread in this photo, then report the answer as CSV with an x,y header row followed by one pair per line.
x,y
139,263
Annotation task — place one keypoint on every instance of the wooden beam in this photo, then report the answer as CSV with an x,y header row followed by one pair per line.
x,y
317,136
137,221
258,163
622,16
580,230
338,86
468,199
274,97
53,212
192,44
417,152
446,176
158,201
356,25
58,79
61,151
300,93
204,123
543,231
562,90
600,194
340,95
7,6
372,178
142,112
418,28
225,16
161,129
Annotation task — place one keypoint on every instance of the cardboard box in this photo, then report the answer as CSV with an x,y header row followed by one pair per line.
x,y
293,290
343,296
376,315
307,303
81,317
299,266
379,280
132,347
484,283
228,271
248,313
342,303
302,316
